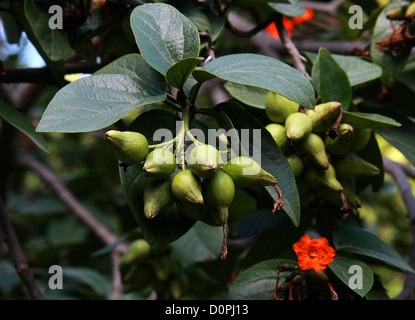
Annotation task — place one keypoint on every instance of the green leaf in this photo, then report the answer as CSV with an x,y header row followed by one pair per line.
x,y
272,159
97,101
53,41
251,96
99,283
358,70
292,9
392,62
11,28
345,268
333,82
200,243
258,282
368,120
167,226
262,72
23,124
66,231
180,71
164,35
359,241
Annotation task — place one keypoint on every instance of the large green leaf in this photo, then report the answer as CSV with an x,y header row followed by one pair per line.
x,y
251,96
200,243
53,41
358,70
235,117
97,101
20,122
258,282
392,62
345,268
98,282
167,226
368,120
262,72
164,35
333,82
356,240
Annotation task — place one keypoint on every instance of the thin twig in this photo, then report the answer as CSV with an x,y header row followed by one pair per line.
x,y
83,214
399,174
17,255
290,47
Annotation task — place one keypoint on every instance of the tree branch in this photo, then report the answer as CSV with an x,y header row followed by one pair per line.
x,y
17,255
398,172
84,215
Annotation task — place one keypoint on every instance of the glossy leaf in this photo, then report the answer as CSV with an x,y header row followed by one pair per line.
x,y
262,72
258,281
164,35
23,124
368,120
53,41
354,273
356,240
180,71
292,9
251,96
200,243
97,101
333,82
272,159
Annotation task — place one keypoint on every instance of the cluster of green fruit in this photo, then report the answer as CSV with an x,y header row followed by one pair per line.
x,y
141,268
202,186
402,12
321,150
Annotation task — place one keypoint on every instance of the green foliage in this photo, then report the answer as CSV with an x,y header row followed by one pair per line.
x,y
157,61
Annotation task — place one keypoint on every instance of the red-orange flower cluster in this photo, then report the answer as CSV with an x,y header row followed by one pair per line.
x,y
313,253
289,23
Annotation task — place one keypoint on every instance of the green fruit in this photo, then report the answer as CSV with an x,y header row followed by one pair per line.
x,y
361,138
324,115
204,160
397,13
352,166
157,197
246,172
278,108
192,210
218,193
323,179
313,148
410,11
186,186
296,163
129,147
163,267
138,252
298,126
342,143
160,163
277,132
178,285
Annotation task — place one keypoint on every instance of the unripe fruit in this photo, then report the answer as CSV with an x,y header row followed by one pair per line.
x,y
324,115
130,147
204,160
278,108
361,138
277,132
218,193
178,285
157,197
138,252
397,13
342,143
326,179
352,166
298,126
163,267
410,11
159,163
186,186
246,172
296,163
313,148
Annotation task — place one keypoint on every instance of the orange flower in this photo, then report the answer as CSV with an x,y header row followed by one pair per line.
x,y
289,23
313,253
